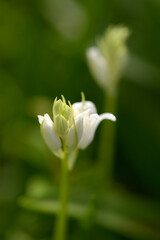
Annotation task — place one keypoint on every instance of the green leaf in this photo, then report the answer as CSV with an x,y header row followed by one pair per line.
x,y
121,223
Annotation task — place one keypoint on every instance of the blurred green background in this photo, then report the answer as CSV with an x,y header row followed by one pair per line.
x,y
42,55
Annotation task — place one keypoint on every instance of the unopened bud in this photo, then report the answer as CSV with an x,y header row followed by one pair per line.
x,y
61,126
67,112
58,107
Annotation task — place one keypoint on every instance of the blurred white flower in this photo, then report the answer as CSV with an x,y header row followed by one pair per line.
x,y
108,59
73,126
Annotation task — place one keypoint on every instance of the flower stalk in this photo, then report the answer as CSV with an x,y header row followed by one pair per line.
x,y
105,164
61,224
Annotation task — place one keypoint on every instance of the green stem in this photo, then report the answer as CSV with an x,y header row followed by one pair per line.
x,y
61,224
107,142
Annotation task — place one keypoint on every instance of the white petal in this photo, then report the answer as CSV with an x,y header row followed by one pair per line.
x,y
72,139
108,116
88,130
80,107
40,119
97,65
49,134
90,124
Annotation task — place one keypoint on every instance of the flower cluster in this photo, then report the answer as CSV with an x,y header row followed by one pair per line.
x,y
108,59
73,126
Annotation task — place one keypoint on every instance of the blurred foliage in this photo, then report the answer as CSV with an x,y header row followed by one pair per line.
x,y
42,55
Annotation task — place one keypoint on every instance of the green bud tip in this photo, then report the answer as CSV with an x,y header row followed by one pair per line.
x,y
58,107
82,98
69,103
63,99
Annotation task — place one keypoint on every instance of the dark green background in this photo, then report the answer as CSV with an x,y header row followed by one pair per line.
x,y
42,55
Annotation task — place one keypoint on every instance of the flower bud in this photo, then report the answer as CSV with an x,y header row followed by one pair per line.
x,y
113,47
58,107
67,112
61,126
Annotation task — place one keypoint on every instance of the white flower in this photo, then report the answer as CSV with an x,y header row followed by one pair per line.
x,y
73,127
108,59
